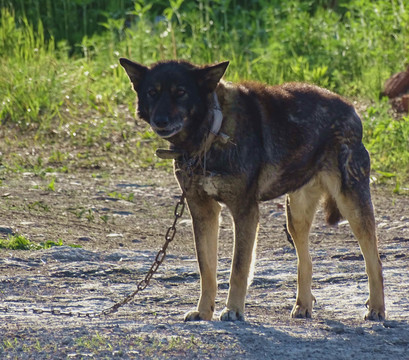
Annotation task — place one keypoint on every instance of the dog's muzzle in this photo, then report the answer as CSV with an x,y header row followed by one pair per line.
x,y
164,127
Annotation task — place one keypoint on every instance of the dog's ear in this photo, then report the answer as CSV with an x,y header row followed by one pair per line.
x,y
209,76
135,71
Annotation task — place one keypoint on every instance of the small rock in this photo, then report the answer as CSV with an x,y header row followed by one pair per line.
x,y
84,238
67,341
360,330
6,230
338,329
162,326
378,327
117,353
389,324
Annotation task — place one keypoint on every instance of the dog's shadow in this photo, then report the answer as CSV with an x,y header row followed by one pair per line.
x,y
311,339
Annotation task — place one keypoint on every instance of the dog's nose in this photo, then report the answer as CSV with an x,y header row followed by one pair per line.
x,y
161,122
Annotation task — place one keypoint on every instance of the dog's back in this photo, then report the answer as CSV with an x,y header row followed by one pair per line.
x,y
286,134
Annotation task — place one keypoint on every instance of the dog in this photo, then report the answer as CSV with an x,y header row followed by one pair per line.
x,y
239,144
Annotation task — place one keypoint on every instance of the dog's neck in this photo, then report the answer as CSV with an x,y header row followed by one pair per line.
x,y
214,120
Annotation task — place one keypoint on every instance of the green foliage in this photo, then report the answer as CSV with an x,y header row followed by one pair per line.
x,y
59,61
20,242
16,242
69,20
28,73
120,196
387,140
51,185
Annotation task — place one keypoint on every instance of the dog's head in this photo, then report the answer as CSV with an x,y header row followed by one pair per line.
x,y
173,95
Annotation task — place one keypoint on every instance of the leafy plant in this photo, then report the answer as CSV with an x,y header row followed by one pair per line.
x,y
20,242
387,141
16,242
51,185
118,195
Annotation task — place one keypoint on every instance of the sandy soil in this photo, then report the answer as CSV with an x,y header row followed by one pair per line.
x,y
119,240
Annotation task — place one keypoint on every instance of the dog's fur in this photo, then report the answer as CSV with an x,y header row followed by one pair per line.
x,y
294,139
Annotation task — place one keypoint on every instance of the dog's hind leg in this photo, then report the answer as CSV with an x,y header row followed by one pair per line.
x,y
300,210
205,216
246,218
360,215
355,205
352,194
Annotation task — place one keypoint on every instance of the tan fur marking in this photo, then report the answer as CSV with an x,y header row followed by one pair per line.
x,y
300,210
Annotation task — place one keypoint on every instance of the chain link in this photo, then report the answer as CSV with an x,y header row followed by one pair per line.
x,y
160,257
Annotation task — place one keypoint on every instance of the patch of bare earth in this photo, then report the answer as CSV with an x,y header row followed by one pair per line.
x,y
119,240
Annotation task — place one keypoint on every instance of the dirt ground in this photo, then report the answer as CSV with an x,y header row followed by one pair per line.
x,y
120,217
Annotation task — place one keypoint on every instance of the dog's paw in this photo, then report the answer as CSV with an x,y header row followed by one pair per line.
x,y
195,315
231,315
375,315
301,312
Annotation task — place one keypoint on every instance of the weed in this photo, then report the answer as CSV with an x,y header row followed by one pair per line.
x,y
16,242
118,195
20,242
174,342
49,244
51,185
87,213
104,218
10,344
90,215
37,345
94,343
57,157
39,206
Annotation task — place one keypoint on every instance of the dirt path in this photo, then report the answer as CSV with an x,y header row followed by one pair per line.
x,y
119,220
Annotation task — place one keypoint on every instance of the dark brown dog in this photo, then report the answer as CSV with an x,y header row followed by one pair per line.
x,y
245,143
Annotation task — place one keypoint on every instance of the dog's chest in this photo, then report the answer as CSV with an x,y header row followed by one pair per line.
x,y
211,185
224,188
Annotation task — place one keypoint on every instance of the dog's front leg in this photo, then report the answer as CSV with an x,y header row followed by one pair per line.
x,y
246,220
205,216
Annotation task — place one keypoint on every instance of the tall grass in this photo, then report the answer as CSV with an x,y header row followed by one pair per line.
x,y
68,20
29,71
351,48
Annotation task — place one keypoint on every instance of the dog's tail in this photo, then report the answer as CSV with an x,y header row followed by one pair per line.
x,y
332,213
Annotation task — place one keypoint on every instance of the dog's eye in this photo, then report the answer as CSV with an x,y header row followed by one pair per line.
x,y
180,92
152,92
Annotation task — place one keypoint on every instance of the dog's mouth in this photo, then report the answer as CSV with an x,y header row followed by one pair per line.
x,y
169,131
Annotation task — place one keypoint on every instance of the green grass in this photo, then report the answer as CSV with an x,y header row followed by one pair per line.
x,y
72,96
20,242
388,143
120,196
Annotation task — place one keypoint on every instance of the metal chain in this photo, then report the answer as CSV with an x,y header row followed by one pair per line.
x,y
160,257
